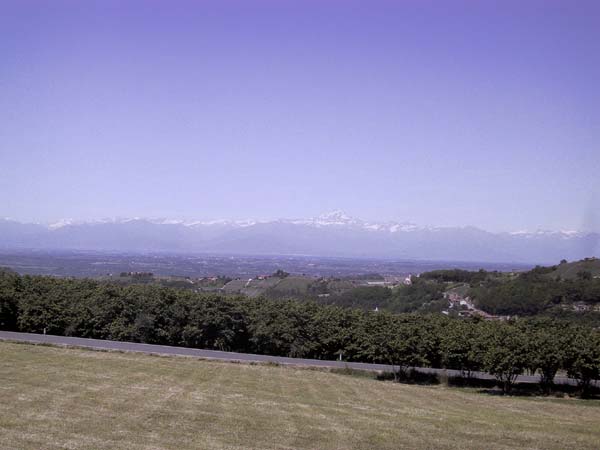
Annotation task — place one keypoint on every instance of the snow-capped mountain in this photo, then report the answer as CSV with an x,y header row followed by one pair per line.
x,y
331,234
338,218
335,218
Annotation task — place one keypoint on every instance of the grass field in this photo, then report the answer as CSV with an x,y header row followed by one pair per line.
x,y
55,398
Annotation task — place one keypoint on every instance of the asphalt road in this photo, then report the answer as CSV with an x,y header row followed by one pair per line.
x,y
100,344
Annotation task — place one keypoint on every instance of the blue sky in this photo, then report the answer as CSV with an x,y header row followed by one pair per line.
x,y
442,113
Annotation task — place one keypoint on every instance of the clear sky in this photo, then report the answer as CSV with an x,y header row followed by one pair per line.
x,y
483,113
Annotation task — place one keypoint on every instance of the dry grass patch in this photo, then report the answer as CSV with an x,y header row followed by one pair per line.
x,y
55,398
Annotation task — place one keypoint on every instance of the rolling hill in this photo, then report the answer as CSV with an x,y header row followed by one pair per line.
x,y
573,269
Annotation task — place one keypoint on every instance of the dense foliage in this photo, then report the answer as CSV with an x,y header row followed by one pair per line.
x,y
158,315
457,275
364,297
534,292
420,296
541,290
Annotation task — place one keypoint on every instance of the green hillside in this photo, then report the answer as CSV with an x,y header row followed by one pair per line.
x,y
252,287
291,287
56,398
572,269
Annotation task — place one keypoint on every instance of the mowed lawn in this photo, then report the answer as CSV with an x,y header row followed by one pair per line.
x,y
55,398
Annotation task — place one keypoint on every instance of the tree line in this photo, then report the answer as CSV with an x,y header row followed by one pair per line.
x,y
159,315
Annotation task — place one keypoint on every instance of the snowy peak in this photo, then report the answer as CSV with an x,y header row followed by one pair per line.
x,y
332,234
340,218
336,217
223,222
61,223
563,234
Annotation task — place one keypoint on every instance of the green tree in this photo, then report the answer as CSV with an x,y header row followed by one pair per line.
x,y
461,347
506,355
393,340
547,354
9,294
583,359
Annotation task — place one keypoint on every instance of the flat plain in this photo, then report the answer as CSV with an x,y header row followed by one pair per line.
x,y
56,398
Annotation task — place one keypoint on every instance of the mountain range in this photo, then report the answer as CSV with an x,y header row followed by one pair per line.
x,y
331,234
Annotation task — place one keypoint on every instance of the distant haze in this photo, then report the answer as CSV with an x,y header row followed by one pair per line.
x,y
448,113
331,235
